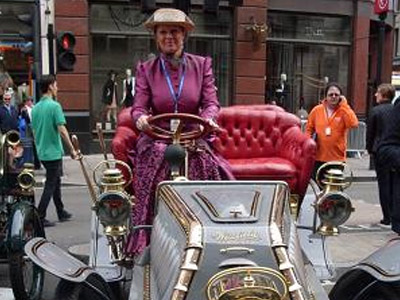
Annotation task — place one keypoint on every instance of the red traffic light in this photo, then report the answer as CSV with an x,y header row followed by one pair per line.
x,y
66,40
65,51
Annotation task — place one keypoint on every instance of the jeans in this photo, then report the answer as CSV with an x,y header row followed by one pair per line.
x,y
52,187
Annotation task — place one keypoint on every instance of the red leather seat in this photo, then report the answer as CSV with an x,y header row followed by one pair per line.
x,y
266,144
258,107
259,143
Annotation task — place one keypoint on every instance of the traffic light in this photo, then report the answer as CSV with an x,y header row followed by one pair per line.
x,y
66,58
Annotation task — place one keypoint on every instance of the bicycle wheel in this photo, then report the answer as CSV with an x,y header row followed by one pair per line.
x,y
26,278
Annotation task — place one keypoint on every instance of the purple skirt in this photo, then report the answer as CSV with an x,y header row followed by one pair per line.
x,y
151,169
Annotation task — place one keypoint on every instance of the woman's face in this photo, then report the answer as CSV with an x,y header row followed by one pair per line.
x,y
333,96
169,38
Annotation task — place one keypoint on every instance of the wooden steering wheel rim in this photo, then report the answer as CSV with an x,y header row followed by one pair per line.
x,y
157,132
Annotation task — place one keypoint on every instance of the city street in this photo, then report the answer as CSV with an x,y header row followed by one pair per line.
x,y
362,226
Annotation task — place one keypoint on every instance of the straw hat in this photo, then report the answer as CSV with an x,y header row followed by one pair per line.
x,y
169,16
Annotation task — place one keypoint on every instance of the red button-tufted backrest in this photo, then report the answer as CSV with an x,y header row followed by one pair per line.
x,y
258,107
125,136
252,133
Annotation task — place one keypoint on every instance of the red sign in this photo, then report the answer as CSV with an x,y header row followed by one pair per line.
x,y
381,6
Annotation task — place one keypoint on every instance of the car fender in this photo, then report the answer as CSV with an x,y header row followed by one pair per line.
x,y
22,213
383,264
56,261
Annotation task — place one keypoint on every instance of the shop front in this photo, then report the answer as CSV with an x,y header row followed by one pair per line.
x,y
15,62
304,53
307,44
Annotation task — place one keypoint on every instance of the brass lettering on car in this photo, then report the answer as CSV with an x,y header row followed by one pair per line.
x,y
241,237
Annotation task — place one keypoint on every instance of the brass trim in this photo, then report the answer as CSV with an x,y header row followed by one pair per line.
x,y
294,201
9,139
193,230
256,201
146,283
249,283
279,247
210,206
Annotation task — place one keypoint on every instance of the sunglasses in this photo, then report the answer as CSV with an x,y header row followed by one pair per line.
x,y
333,95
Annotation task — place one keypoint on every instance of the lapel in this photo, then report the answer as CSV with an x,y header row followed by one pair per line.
x,y
5,110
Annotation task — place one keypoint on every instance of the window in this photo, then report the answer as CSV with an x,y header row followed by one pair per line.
x,y
310,50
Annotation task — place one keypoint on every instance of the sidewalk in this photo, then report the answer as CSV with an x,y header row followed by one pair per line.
x,y
360,168
73,175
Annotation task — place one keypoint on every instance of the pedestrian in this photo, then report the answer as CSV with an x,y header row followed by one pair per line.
x,y
388,164
48,124
377,123
8,114
328,123
26,114
174,81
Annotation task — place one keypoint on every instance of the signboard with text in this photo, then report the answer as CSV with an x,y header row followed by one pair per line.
x,y
381,6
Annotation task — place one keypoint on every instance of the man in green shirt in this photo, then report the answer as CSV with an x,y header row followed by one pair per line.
x,y
48,124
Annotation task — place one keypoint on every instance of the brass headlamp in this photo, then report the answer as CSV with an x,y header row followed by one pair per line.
x,y
26,179
113,205
333,205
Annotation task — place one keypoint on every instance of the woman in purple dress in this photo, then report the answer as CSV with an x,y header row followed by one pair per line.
x,y
175,81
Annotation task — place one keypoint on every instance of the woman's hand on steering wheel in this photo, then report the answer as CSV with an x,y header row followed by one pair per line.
x,y
213,127
142,123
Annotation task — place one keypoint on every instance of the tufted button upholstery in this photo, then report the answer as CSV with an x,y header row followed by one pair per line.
x,y
266,144
258,107
124,138
261,142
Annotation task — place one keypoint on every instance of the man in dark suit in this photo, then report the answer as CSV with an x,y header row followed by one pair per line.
x,y
8,115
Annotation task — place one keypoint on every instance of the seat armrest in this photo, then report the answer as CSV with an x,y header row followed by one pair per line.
x,y
298,148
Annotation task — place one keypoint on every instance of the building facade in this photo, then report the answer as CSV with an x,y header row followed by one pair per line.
x,y
262,50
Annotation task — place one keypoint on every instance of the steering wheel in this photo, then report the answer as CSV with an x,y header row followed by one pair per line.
x,y
157,132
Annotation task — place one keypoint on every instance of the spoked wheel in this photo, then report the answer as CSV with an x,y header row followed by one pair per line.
x,y
26,277
362,286
93,289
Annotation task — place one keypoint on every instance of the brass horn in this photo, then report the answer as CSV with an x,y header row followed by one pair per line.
x,y
10,139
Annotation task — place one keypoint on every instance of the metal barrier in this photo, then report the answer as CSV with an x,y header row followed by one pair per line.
x,y
356,139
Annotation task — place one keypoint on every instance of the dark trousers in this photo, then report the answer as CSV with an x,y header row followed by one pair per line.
x,y
383,176
52,187
388,166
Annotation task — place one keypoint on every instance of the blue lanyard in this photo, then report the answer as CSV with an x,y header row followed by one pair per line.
x,y
175,96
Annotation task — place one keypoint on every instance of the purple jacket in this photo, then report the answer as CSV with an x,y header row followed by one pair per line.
x,y
199,94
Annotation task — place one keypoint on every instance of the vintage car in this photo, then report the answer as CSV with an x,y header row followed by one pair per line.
x,y
209,240
19,219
